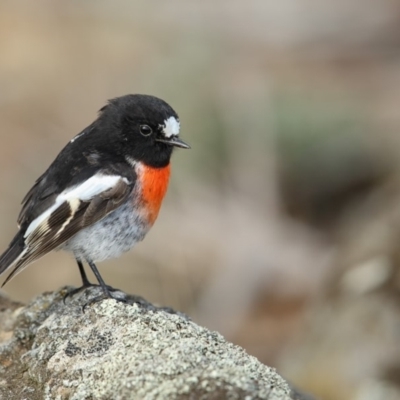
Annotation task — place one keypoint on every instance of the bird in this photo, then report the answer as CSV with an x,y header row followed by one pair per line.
x,y
103,192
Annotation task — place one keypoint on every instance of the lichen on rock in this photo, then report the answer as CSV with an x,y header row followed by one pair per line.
x,y
51,349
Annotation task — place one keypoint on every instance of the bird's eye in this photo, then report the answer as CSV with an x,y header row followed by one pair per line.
x,y
145,130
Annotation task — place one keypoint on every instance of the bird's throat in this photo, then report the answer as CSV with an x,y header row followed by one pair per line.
x,y
154,182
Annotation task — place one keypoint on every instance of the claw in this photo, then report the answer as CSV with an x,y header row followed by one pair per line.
x,y
83,287
103,296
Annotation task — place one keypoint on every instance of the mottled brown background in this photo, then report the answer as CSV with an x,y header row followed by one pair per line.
x,y
281,226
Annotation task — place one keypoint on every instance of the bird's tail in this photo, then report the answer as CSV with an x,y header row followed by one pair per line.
x,y
12,255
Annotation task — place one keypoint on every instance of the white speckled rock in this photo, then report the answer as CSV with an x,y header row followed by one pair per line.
x,y
52,350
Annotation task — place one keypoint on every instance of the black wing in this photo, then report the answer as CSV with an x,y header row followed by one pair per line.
x,y
68,214
85,155
88,154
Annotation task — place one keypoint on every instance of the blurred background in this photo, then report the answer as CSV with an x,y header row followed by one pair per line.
x,y
281,227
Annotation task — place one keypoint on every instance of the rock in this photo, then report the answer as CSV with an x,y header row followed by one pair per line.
x,y
51,349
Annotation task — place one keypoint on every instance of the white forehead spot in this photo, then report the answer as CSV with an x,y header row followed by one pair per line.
x,y
171,127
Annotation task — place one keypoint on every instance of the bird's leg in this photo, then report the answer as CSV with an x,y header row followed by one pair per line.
x,y
106,289
96,273
85,281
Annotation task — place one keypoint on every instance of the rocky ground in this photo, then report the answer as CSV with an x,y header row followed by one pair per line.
x,y
53,349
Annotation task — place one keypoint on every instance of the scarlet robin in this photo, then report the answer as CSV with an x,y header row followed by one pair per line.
x,y
103,192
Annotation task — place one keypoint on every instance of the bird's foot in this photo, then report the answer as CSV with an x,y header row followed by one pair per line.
x,y
104,296
73,292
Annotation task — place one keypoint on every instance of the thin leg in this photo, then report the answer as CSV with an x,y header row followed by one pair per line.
x,y
86,283
85,280
106,289
99,278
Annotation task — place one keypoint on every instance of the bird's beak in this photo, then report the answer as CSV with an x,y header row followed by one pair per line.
x,y
174,141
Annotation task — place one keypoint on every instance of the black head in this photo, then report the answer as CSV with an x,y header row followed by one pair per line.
x,y
147,128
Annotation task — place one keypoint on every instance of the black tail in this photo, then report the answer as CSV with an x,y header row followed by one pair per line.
x,y
10,256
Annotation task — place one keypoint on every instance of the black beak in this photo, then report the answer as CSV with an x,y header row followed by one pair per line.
x,y
174,141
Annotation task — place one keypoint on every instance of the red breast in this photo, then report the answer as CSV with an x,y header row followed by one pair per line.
x,y
154,184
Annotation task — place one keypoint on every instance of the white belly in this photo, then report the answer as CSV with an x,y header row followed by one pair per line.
x,y
108,238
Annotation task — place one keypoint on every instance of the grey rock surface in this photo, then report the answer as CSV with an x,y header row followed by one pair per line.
x,y
51,349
